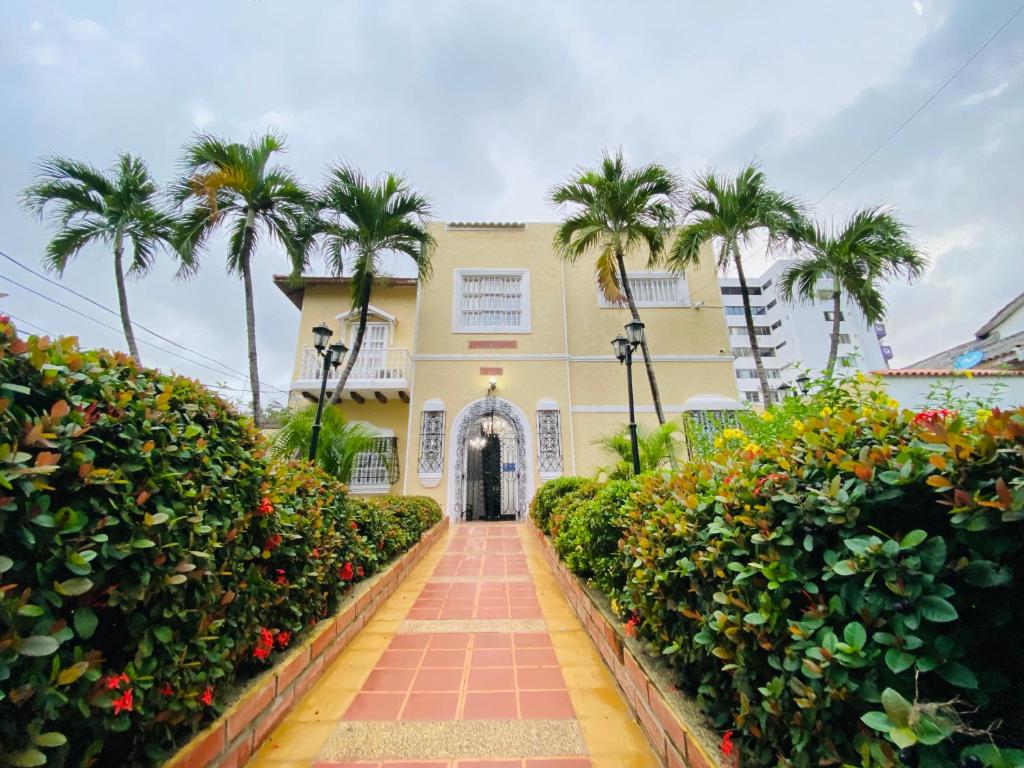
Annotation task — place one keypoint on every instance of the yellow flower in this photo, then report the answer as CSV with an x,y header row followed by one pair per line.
x,y
892,403
983,414
798,426
826,411
752,447
860,377
969,374
768,416
719,442
733,434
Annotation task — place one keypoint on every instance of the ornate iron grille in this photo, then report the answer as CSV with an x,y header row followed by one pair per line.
x,y
431,441
702,426
378,466
549,441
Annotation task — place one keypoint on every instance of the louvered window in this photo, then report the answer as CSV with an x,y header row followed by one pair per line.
x,y
495,301
654,289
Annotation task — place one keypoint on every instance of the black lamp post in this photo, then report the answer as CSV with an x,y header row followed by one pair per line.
x,y
624,347
784,389
332,359
803,381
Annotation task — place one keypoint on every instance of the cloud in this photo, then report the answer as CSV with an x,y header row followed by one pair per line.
x,y
980,96
35,26
918,7
199,114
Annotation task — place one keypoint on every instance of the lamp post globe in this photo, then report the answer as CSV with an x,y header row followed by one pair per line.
x,y
337,353
635,332
321,335
619,344
803,381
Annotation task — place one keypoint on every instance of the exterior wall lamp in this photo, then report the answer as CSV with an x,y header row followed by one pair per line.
x,y
624,346
333,356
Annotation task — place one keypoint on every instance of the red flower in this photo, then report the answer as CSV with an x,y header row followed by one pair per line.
x,y
207,696
933,416
359,571
632,626
315,552
283,638
727,746
345,573
264,645
123,704
272,542
265,507
353,526
167,690
261,652
281,578
114,681
779,477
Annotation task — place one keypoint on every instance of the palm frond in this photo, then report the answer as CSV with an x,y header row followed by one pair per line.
x,y
340,441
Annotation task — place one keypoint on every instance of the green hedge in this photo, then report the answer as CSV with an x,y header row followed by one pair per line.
x,y
547,497
151,558
843,592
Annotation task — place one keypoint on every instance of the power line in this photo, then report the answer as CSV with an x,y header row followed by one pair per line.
x,y
138,325
921,108
26,322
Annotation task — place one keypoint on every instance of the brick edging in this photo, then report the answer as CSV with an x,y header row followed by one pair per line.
x,y
231,739
670,738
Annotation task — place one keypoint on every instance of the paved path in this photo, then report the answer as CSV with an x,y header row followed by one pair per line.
x,y
476,661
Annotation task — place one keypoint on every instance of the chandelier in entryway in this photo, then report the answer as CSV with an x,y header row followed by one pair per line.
x,y
487,430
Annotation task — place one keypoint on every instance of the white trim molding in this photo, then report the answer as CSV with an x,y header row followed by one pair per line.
x,y
371,310
490,355
524,310
625,409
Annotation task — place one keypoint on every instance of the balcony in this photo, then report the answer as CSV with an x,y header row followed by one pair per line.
x,y
377,373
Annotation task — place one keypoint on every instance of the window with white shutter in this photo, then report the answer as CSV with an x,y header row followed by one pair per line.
x,y
492,301
654,289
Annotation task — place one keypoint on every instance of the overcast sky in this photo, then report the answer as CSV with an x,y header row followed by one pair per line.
x,y
484,105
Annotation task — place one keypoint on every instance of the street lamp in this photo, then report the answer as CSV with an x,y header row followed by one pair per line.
x,y
332,359
803,381
784,389
624,347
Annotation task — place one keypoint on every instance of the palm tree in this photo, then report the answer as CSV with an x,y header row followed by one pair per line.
x,y
616,213
872,247
364,221
93,205
658,448
729,212
233,182
339,443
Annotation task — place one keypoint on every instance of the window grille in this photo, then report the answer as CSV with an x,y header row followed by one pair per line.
x,y
653,290
738,311
735,290
431,442
377,467
752,397
746,351
829,315
700,427
751,373
493,301
741,330
549,441
844,338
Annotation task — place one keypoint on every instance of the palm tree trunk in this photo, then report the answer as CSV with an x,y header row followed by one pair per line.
x,y
833,344
364,309
655,392
748,315
250,318
122,298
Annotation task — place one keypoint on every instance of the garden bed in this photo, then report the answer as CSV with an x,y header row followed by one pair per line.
x,y
231,739
672,723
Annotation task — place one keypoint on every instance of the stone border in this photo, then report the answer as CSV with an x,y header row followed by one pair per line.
x,y
231,739
671,738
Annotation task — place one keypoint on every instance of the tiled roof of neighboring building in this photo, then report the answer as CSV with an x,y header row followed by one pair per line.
x,y
486,225
997,351
295,291
1000,317
946,372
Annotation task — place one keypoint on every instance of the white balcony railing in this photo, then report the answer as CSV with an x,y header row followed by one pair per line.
x,y
381,368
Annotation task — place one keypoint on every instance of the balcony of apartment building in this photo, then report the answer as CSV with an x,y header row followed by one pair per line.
x,y
380,373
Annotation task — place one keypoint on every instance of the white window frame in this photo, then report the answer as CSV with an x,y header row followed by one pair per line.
x,y
525,315
682,291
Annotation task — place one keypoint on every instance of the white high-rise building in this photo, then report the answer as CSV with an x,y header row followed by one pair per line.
x,y
794,337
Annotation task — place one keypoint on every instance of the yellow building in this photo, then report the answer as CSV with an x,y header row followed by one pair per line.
x,y
502,308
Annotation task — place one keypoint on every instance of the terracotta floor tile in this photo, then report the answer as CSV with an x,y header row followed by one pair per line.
x,y
545,705
491,679
409,642
558,762
438,680
482,641
416,764
531,640
389,680
492,657
494,613
401,659
540,678
444,658
489,764
535,657
375,706
490,706
452,641
430,706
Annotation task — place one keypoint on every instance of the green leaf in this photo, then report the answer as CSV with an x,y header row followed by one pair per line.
x,y
855,635
29,609
755,618
26,758
16,388
913,538
73,587
936,609
5,563
985,573
85,622
903,737
845,567
933,554
163,634
38,645
143,543
896,707
877,720
51,739
898,661
192,430
958,674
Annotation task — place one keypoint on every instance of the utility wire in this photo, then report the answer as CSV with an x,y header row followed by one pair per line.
x,y
138,325
921,108
26,322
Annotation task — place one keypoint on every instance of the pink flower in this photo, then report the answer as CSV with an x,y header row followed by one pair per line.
x,y
114,681
125,703
345,573
727,745
316,552
633,626
265,507
283,638
207,696
281,580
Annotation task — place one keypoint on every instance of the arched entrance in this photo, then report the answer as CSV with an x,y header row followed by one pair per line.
x,y
490,462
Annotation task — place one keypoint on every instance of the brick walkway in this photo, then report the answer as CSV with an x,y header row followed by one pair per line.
x,y
475,662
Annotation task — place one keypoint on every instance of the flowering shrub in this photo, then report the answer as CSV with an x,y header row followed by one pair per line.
x,y
150,559
548,495
592,524
845,591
